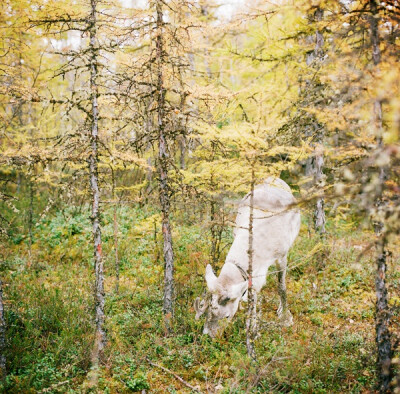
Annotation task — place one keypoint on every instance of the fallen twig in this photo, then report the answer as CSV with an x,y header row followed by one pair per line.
x,y
54,386
174,375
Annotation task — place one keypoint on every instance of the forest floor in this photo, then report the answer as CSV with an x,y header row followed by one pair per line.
x,y
49,309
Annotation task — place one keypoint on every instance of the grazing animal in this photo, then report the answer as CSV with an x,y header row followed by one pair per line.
x,y
276,224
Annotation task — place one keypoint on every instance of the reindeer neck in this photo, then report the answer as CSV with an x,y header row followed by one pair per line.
x,y
231,274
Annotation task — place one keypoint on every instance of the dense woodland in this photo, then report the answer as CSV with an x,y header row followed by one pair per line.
x,y
129,132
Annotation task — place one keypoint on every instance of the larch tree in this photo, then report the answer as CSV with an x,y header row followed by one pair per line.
x,y
22,66
211,108
83,99
382,318
251,322
100,339
156,68
163,166
241,142
361,78
21,75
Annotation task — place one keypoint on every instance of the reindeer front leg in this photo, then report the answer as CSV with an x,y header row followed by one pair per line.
x,y
284,314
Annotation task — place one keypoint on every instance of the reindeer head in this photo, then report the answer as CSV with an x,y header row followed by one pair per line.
x,y
220,302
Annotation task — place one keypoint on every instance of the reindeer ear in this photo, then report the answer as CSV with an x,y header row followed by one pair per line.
x,y
211,279
237,290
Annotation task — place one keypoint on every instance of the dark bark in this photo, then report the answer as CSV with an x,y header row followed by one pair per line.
x,y
3,371
164,184
182,146
30,220
215,233
382,318
382,322
217,225
100,338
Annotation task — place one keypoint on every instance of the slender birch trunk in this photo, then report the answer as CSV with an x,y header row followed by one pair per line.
x,y
382,317
3,370
100,338
164,187
251,323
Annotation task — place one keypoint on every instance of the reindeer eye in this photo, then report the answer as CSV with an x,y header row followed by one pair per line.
x,y
223,301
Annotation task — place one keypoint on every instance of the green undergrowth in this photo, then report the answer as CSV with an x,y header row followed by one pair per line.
x,y
49,309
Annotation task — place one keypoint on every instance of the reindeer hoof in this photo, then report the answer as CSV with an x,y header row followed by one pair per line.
x,y
286,319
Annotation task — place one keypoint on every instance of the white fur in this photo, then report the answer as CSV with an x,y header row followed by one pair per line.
x,y
276,224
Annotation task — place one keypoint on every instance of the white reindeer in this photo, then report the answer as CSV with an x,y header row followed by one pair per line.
x,y
276,224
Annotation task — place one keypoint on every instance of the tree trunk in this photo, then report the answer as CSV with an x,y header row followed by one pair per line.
x,y
251,323
315,164
115,232
214,232
30,217
216,226
3,370
319,213
116,250
100,338
382,318
382,321
164,187
182,146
